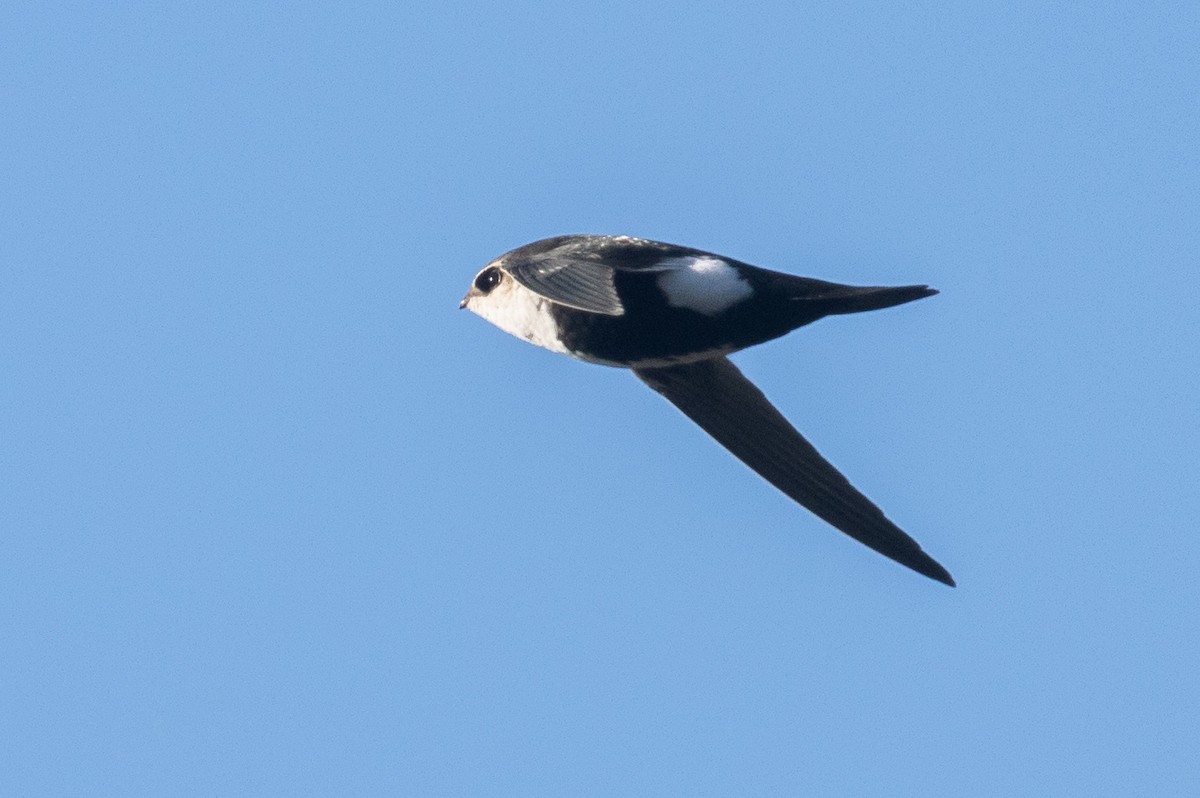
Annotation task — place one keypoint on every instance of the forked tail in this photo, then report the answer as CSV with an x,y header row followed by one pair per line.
x,y
834,299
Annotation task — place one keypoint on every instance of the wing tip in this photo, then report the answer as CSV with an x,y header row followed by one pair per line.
x,y
927,566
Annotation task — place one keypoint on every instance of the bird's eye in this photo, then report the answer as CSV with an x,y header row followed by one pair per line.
x,y
488,279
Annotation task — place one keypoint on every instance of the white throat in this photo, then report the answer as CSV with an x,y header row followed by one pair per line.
x,y
518,311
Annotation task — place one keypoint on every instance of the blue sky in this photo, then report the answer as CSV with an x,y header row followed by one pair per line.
x,y
277,518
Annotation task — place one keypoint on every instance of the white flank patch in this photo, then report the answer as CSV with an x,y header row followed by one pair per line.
x,y
706,285
518,311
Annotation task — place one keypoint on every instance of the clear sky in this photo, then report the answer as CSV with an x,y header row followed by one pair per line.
x,y
277,518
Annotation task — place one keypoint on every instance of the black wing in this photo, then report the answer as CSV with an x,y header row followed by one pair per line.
x,y
579,270
577,283
726,405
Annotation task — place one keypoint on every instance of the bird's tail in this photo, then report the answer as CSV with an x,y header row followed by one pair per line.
x,y
832,298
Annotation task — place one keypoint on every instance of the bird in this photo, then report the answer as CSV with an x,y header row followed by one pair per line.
x,y
672,315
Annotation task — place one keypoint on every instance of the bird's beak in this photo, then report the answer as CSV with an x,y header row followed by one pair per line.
x,y
463,304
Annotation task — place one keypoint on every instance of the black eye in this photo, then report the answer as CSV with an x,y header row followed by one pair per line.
x,y
488,279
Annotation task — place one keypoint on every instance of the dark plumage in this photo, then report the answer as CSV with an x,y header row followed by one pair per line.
x,y
672,314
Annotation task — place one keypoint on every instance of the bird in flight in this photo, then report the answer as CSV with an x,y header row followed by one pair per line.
x,y
672,315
